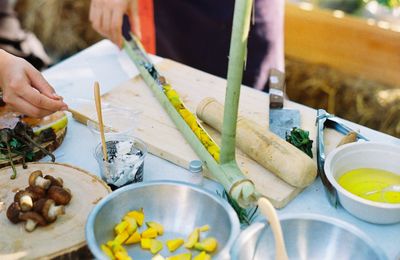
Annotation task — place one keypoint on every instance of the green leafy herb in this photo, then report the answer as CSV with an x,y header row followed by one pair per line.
x,y
390,3
300,138
246,216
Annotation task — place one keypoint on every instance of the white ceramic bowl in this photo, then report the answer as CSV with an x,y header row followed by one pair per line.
x,y
364,155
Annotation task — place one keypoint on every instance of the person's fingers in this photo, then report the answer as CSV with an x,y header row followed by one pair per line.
x,y
26,108
134,21
39,82
38,100
96,17
116,21
106,25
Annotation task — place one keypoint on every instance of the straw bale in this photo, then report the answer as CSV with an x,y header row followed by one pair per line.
x,y
62,26
357,99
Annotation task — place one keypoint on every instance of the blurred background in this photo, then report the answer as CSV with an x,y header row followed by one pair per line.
x,y
341,55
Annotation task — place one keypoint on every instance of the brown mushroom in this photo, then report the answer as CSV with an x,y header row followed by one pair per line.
x,y
50,211
37,192
25,200
38,205
33,219
13,212
60,195
55,181
36,179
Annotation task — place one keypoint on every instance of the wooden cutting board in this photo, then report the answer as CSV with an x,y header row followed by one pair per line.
x,y
158,131
67,233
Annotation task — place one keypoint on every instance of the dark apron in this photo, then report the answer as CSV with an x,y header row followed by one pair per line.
x,y
197,33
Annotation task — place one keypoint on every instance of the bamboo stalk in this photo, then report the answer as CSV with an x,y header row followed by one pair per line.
x,y
237,56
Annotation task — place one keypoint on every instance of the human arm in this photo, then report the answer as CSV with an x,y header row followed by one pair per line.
x,y
25,89
106,17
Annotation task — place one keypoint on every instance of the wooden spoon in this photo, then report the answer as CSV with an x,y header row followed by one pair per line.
x,y
269,212
97,99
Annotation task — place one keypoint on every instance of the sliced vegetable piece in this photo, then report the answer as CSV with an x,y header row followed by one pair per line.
x,y
107,251
156,226
202,256
183,256
132,225
209,245
204,228
156,246
145,243
122,256
158,257
134,238
149,233
120,227
122,237
138,215
192,239
174,244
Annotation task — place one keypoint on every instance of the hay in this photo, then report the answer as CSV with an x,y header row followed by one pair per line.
x,y
62,26
357,99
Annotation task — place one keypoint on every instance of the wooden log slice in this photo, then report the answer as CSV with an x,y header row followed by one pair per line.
x,y
67,233
9,119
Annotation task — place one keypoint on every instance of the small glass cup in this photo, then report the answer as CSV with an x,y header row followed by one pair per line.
x,y
125,162
116,120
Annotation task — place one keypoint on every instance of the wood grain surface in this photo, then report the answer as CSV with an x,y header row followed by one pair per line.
x,y
67,233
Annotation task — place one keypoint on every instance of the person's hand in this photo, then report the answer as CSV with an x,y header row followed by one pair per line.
x,y
25,89
107,15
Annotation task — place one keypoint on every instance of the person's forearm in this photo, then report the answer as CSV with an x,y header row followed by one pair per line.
x,y
276,31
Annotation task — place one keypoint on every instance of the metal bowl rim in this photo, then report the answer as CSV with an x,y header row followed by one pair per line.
x,y
89,231
344,192
310,216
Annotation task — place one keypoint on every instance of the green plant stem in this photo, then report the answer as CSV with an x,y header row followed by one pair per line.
x,y
237,56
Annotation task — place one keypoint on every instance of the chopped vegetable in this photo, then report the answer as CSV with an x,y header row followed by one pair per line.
x,y
121,227
134,238
149,233
174,244
192,239
209,245
156,246
202,256
138,215
145,243
156,226
183,256
300,138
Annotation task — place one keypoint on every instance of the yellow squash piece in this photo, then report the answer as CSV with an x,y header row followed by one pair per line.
x,y
149,233
158,257
145,243
183,256
138,215
122,237
107,251
120,227
122,256
134,238
202,256
192,239
156,226
209,245
204,228
156,246
118,248
132,225
174,244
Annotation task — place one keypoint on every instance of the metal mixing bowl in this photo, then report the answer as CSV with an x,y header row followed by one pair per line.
x,y
179,207
307,237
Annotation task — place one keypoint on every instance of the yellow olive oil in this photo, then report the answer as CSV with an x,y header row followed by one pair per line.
x,y
370,184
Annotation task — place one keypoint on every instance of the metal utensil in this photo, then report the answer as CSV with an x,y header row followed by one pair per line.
x,y
307,236
280,120
178,206
324,119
